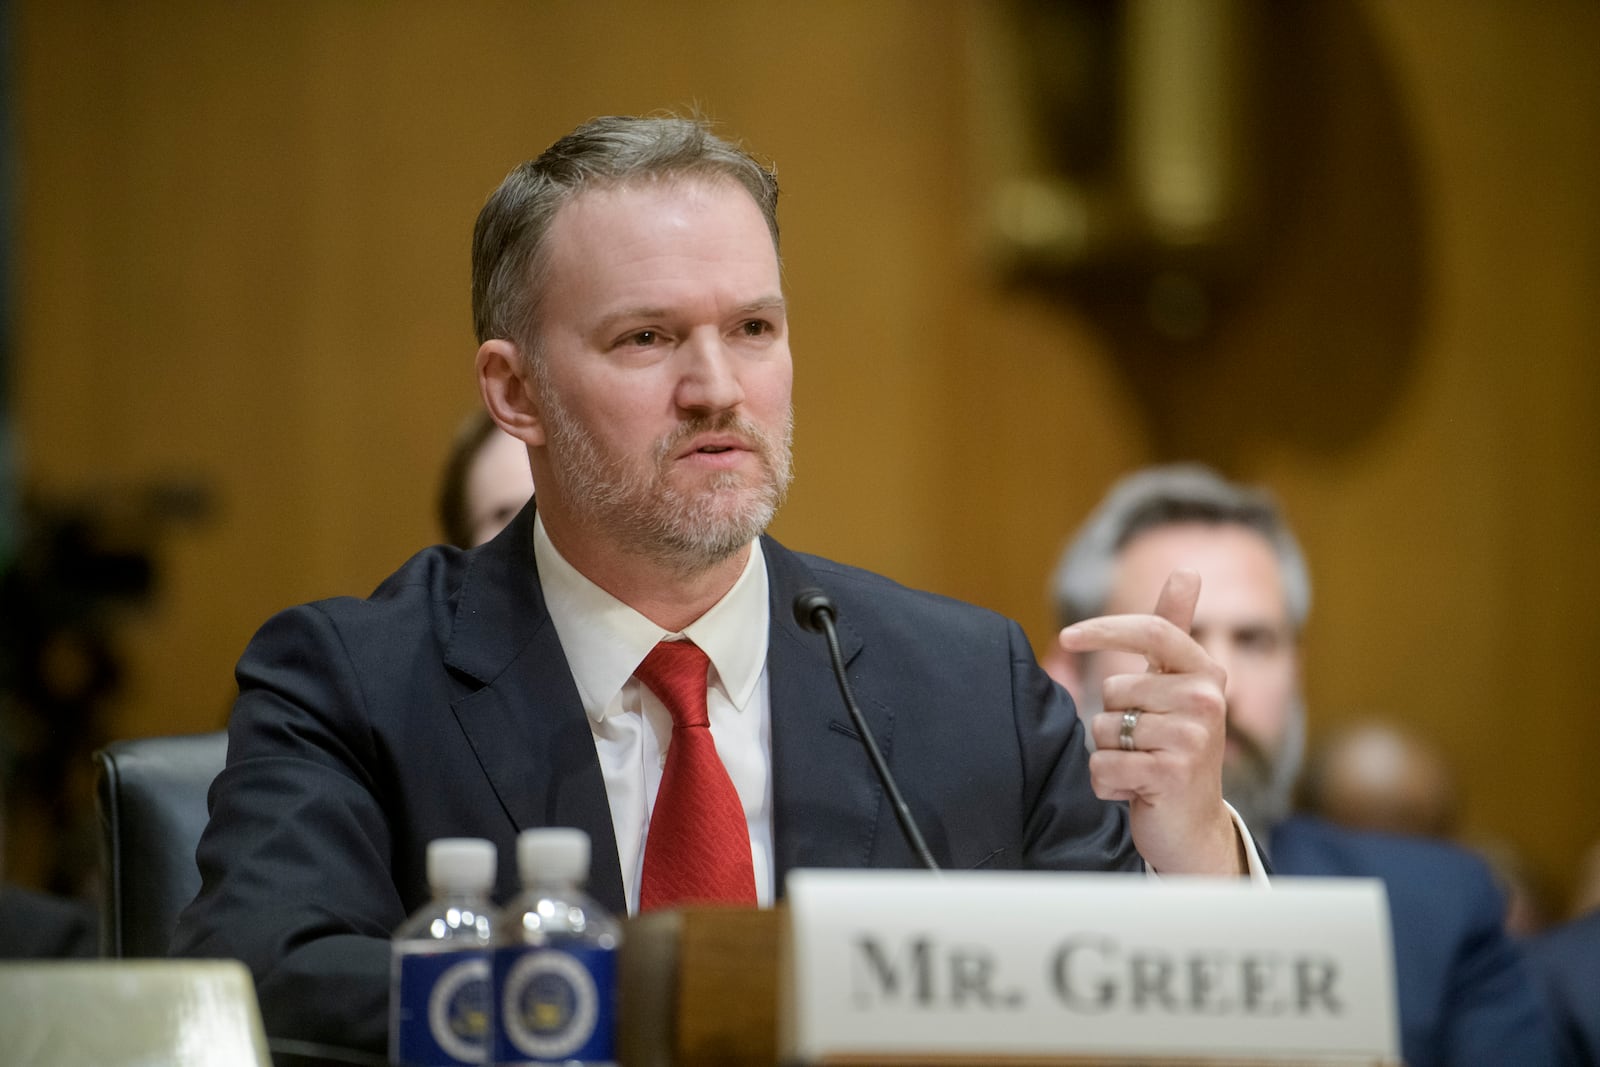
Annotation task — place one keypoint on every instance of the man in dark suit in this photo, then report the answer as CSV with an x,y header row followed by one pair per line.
x,y
633,335
1465,995
1567,960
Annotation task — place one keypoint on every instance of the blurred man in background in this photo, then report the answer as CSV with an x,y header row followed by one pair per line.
x,y
1378,775
486,481
1464,992
1567,960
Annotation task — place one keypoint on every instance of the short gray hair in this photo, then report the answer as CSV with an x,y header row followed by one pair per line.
x,y
1167,496
509,240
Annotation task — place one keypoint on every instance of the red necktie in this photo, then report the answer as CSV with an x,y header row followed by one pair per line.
x,y
698,848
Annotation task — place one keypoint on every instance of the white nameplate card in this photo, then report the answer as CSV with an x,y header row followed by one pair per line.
x,y
997,965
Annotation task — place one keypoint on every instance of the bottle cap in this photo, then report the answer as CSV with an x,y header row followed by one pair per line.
x,y
553,854
461,864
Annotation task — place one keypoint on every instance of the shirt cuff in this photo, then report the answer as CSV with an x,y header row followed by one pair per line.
x,y
1255,869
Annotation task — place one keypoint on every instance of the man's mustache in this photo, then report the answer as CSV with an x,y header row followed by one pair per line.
x,y
750,435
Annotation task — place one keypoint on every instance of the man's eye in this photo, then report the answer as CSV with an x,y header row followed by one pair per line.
x,y
644,338
1258,639
756,327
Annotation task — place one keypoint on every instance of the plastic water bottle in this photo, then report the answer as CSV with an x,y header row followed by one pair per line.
x,y
440,998
555,960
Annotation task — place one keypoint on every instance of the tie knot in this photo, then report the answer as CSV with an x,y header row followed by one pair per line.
x,y
675,671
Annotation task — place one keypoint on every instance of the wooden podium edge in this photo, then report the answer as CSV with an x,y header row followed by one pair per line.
x,y
647,989
698,987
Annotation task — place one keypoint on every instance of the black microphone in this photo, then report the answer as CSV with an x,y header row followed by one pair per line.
x,y
814,610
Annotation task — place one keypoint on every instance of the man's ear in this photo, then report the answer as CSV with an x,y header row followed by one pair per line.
x,y
506,382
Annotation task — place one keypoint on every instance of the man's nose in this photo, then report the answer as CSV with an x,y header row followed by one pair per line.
x,y
709,378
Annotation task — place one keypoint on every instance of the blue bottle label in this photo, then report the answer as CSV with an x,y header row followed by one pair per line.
x,y
555,1005
442,1002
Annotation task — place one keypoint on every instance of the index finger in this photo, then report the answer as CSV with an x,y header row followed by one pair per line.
x,y
1165,647
1162,639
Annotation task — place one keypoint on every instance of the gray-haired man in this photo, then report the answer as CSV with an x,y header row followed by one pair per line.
x,y
1465,994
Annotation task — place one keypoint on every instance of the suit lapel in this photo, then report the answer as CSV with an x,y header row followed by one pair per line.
x,y
827,804
525,720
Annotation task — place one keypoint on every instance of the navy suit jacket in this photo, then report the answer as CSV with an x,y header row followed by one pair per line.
x,y
443,705
1466,995
1567,961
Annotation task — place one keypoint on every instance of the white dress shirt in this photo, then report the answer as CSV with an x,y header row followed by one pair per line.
x,y
605,641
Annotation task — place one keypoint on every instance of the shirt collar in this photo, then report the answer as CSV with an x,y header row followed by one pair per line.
x,y
605,639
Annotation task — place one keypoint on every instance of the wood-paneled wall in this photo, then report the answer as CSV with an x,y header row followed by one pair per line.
x,y
242,256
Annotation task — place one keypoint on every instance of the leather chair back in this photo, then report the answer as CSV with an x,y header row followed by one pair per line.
x,y
152,801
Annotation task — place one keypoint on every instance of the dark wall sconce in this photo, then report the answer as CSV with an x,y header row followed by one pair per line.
x,y
1227,189
1132,169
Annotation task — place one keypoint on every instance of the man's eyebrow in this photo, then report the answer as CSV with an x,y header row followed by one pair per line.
x,y
611,319
644,313
766,303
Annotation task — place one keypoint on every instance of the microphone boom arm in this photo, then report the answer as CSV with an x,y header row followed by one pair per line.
x,y
814,610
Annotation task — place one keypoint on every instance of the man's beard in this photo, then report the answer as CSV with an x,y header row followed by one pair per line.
x,y
1260,784
641,509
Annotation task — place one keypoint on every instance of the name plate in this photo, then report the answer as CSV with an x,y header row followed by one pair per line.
x,y
996,965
